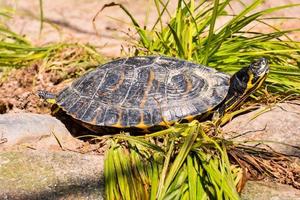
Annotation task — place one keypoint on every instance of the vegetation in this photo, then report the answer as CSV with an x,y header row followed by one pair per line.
x,y
192,34
183,162
16,52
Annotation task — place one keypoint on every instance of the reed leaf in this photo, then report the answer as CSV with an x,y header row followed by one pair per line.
x,y
191,34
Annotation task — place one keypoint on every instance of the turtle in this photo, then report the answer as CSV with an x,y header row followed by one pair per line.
x,y
146,92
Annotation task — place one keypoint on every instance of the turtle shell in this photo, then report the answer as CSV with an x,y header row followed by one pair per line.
x,y
143,92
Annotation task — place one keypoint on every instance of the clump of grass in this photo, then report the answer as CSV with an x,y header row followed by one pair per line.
x,y
191,33
71,60
178,163
182,162
16,52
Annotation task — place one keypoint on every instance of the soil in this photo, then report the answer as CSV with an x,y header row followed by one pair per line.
x,y
72,21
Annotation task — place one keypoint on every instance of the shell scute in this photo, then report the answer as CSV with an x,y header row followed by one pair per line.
x,y
112,116
140,61
91,113
101,111
134,117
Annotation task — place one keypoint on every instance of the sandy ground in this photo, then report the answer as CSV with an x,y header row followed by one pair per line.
x,y
72,21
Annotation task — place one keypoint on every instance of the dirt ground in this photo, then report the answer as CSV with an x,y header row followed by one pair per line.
x,y
72,21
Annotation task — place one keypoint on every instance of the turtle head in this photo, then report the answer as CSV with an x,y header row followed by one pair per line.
x,y
47,96
243,83
258,71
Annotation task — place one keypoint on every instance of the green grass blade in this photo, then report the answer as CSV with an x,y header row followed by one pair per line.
x,y
211,30
141,31
192,179
180,158
121,174
154,181
177,42
140,141
165,169
110,176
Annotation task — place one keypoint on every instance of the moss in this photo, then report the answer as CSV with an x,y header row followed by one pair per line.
x,y
50,175
23,172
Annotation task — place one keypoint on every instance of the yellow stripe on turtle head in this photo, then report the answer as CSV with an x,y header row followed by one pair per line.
x,y
249,83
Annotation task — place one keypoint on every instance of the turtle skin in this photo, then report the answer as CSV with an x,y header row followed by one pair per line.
x,y
143,92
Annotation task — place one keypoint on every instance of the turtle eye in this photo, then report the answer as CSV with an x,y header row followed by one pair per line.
x,y
258,63
260,66
263,62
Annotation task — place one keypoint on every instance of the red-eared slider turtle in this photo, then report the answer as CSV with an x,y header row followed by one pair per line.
x,y
150,91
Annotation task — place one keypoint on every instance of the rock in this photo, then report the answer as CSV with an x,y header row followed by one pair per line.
x,y
279,124
68,175
51,175
19,130
260,190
